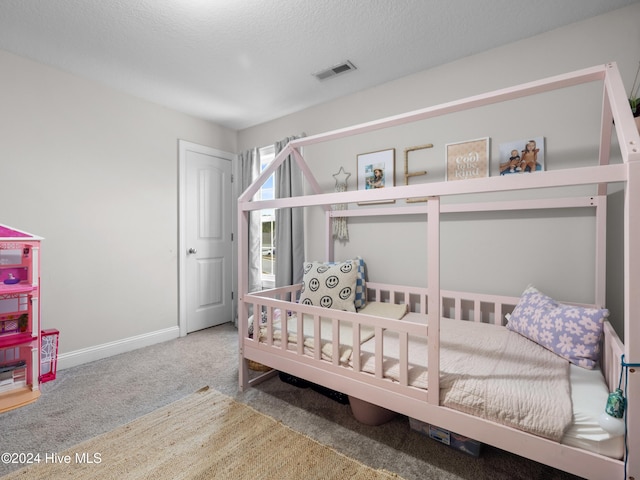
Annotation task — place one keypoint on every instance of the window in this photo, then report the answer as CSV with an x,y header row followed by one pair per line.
x,y
268,223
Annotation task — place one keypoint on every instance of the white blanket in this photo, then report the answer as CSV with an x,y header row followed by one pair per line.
x,y
490,372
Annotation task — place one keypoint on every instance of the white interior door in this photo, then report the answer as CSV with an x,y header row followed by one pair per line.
x,y
205,238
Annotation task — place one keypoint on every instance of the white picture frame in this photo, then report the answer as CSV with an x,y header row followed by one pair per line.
x,y
376,170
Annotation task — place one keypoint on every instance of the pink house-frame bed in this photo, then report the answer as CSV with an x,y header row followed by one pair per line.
x,y
290,356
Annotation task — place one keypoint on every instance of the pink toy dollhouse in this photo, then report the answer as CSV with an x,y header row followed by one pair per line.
x,y
19,318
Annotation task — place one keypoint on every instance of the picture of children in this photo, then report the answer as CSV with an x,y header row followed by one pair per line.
x,y
522,156
377,180
529,162
376,170
513,165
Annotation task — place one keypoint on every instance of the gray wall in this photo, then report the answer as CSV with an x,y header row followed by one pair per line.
x,y
501,253
94,171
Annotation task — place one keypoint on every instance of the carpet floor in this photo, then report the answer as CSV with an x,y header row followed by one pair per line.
x,y
95,398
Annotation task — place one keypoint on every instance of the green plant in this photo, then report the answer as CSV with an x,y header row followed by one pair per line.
x,y
23,322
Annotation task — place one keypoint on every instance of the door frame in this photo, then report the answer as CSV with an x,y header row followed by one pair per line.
x,y
183,147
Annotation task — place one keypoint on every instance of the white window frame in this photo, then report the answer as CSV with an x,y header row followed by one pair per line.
x,y
267,154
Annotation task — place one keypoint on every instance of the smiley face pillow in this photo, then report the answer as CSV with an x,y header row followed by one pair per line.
x,y
330,286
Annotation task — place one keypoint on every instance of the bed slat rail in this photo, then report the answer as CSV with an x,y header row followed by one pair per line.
x,y
456,305
612,350
483,308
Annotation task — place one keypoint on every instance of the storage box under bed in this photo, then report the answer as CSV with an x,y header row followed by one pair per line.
x,y
453,440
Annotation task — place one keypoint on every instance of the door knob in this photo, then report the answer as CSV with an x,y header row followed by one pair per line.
x,y
192,251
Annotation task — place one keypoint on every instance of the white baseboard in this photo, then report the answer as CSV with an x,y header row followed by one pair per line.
x,y
97,352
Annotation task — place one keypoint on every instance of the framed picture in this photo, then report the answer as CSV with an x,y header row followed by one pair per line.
x,y
522,156
376,169
468,159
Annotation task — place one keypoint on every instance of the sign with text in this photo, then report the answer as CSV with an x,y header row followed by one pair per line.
x,y
468,159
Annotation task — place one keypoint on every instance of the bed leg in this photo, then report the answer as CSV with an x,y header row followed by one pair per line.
x,y
243,374
633,422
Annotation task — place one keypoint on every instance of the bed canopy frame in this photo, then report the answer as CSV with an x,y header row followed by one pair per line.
x,y
615,109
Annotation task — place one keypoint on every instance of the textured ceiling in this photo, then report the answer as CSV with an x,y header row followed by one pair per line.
x,y
242,62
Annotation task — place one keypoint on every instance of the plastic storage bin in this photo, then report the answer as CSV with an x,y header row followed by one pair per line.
x,y
453,440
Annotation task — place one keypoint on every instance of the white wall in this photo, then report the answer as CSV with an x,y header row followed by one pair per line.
x,y
94,171
493,256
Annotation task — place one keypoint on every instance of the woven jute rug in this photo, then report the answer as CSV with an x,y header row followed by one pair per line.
x,y
206,435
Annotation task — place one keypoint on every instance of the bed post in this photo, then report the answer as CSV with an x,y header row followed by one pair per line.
x,y
329,246
243,287
434,299
631,316
629,142
600,202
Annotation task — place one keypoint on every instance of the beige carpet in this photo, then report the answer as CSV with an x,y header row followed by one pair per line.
x,y
206,435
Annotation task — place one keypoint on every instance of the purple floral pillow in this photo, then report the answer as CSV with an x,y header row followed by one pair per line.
x,y
569,331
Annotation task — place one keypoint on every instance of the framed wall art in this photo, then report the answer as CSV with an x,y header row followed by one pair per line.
x,y
376,170
469,159
522,156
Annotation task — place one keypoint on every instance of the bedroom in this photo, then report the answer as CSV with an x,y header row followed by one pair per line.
x,y
92,201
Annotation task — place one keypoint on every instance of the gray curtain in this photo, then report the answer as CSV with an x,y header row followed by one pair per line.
x,y
289,221
249,171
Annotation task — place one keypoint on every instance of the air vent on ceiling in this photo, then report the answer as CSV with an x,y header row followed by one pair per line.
x,y
343,67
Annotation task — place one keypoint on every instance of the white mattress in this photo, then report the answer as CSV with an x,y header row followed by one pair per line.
x,y
589,394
